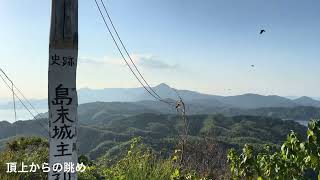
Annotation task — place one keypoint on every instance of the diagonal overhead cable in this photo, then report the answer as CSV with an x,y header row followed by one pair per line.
x,y
152,92
16,95
24,105
125,49
34,109
179,105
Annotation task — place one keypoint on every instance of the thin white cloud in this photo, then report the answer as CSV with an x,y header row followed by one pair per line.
x,y
99,61
85,60
154,63
141,60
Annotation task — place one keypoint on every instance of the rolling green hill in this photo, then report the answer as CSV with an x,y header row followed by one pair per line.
x,y
93,113
160,131
100,112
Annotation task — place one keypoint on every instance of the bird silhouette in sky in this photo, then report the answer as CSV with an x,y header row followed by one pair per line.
x,y
252,65
262,31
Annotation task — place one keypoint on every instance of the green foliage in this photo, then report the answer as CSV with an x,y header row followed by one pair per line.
x,y
139,163
293,161
152,157
98,139
298,112
26,150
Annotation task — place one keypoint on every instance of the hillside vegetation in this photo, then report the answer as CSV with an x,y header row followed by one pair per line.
x,y
298,158
158,129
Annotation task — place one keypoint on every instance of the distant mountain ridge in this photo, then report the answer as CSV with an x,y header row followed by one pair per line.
x,y
245,101
307,101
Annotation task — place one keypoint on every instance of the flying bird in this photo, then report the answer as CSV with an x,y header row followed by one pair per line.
x,y
252,65
262,31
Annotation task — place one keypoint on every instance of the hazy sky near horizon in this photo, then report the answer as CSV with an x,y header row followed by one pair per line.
x,y
207,46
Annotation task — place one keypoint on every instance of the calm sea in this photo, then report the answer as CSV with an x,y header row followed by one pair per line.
x,y
305,123
22,114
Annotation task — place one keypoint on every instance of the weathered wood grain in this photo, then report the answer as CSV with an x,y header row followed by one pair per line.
x,y
64,24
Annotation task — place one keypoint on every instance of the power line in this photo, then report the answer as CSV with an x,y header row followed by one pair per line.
x,y
123,57
179,104
128,54
116,43
14,102
34,109
24,97
14,107
115,30
13,99
22,102
46,131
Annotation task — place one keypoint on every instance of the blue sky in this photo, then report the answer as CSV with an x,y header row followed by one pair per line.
x,y
206,45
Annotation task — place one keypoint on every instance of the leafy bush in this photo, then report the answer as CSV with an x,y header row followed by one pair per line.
x,y
297,158
139,163
26,150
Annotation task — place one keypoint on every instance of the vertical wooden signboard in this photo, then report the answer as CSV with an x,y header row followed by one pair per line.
x,y
62,94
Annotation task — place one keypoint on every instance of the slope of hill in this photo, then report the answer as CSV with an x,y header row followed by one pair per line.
x,y
93,113
90,136
298,113
250,101
98,112
105,111
307,101
245,101
137,94
160,130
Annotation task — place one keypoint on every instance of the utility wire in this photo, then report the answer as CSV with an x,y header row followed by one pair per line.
x,y
123,57
125,49
14,105
14,108
13,98
46,131
128,54
34,109
14,102
22,102
116,43
179,104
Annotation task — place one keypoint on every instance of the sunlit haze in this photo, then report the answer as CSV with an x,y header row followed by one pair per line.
x,y
207,46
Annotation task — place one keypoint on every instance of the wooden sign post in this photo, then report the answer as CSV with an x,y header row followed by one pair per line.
x,y
62,94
